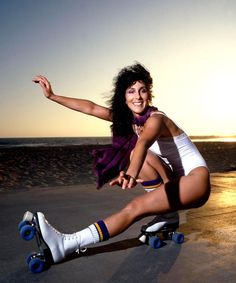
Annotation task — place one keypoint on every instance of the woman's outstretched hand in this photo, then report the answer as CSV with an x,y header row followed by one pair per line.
x,y
125,181
45,84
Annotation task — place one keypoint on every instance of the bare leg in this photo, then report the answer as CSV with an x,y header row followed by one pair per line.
x,y
183,193
153,167
186,192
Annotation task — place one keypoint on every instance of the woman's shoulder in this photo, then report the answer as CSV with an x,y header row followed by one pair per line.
x,y
159,116
170,126
157,112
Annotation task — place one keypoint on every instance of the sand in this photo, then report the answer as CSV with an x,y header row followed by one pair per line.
x,y
29,167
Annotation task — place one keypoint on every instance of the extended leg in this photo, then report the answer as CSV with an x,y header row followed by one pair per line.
x,y
187,192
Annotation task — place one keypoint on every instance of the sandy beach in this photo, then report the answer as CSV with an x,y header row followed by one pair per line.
x,y
28,167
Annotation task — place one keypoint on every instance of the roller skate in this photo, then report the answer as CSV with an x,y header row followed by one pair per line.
x,y
53,246
160,229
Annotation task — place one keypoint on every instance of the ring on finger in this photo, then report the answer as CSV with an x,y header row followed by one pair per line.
x,y
128,177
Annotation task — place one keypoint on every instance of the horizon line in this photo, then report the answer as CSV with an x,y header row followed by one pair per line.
x,y
44,137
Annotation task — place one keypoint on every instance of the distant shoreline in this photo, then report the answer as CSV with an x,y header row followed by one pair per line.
x,y
107,137
52,142
213,138
76,141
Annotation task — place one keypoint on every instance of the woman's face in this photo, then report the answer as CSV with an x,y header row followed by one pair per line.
x,y
137,97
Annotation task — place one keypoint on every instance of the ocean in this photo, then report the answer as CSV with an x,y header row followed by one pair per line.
x,y
68,141
51,142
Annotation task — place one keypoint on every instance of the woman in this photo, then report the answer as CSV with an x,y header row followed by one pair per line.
x,y
159,138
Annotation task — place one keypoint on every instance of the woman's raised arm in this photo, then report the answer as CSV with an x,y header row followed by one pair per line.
x,y
82,105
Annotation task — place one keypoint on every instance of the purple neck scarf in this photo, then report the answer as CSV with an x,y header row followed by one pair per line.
x,y
140,120
109,161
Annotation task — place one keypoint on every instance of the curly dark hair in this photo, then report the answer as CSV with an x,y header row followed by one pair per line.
x,y
121,115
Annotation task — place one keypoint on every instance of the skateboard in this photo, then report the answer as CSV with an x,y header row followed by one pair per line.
x,y
157,239
29,229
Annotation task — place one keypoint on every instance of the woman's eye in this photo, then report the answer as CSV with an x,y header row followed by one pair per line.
x,y
130,91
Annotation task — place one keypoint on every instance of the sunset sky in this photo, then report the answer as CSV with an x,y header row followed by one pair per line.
x,y
80,45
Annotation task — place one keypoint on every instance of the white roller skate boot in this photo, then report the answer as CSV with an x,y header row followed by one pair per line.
x,y
60,245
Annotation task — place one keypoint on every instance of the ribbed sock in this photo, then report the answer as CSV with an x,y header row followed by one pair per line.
x,y
95,233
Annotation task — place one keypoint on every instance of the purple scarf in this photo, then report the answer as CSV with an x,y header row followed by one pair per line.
x,y
109,161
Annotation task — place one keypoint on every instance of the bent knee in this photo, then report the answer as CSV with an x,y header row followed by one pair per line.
x,y
133,208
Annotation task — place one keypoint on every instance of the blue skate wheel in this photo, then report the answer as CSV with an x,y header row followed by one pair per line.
x,y
155,242
178,238
27,232
22,223
30,256
36,265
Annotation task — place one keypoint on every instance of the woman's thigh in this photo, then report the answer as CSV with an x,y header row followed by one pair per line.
x,y
181,193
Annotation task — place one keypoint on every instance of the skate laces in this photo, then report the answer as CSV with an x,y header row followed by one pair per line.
x,y
79,249
67,237
76,238
82,250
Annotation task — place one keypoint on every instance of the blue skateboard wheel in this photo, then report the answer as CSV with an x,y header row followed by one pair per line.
x,y
155,242
178,238
36,265
27,232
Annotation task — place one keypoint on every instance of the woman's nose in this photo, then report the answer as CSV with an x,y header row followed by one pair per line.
x,y
137,94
